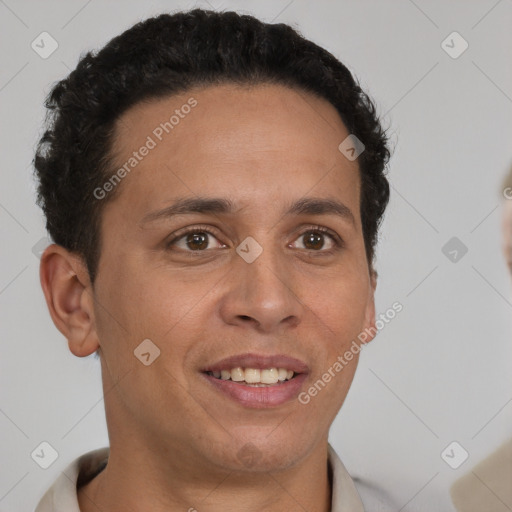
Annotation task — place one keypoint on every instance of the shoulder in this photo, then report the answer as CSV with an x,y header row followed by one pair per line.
x,y
62,495
487,484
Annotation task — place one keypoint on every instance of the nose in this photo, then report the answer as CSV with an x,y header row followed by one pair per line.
x,y
261,294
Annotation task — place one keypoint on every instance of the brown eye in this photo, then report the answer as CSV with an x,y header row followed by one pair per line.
x,y
315,240
195,240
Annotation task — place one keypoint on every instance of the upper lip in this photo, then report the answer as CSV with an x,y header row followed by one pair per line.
x,y
258,361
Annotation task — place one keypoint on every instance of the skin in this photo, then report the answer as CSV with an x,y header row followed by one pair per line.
x,y
174,440
506,230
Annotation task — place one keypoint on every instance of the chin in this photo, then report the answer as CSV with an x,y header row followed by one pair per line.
x,y
264,454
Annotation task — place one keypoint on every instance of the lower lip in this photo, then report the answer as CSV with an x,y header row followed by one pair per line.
x,y
259,397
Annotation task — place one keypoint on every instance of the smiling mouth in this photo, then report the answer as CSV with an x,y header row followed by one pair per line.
x,y
255,377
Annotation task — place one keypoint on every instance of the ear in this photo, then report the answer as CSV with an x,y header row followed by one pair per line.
x,y
69,296
369,319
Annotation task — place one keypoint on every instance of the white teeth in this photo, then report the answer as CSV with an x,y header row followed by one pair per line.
x,y
237,374
269,376
252,376
255,375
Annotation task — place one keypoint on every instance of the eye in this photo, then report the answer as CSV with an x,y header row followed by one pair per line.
x,y
199,239
194,240
314,239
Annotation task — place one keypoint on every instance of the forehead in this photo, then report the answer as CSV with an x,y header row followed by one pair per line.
x,y
232,139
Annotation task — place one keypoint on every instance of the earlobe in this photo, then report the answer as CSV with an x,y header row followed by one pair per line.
x,y
68,293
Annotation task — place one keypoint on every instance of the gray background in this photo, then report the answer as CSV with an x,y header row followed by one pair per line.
x,y
438,372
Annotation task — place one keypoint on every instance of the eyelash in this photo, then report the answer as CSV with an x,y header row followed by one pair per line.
x,y
338,242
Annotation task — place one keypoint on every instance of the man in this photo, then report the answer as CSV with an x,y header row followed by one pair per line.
x,y
214,187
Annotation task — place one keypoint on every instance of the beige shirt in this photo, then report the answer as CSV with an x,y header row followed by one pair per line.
x,y
487,486
62,495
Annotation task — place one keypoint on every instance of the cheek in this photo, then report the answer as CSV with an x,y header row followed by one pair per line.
x,y
166,309
168,305
340,304
327,391
145,302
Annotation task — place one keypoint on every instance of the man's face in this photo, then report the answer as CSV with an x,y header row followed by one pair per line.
x,y
199,300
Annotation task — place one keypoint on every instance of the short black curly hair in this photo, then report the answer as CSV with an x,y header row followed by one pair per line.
x,y
169,54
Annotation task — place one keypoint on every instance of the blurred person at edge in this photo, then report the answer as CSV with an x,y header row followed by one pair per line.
x,y
487,487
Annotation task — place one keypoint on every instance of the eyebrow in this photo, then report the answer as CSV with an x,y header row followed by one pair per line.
x,y
304,206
